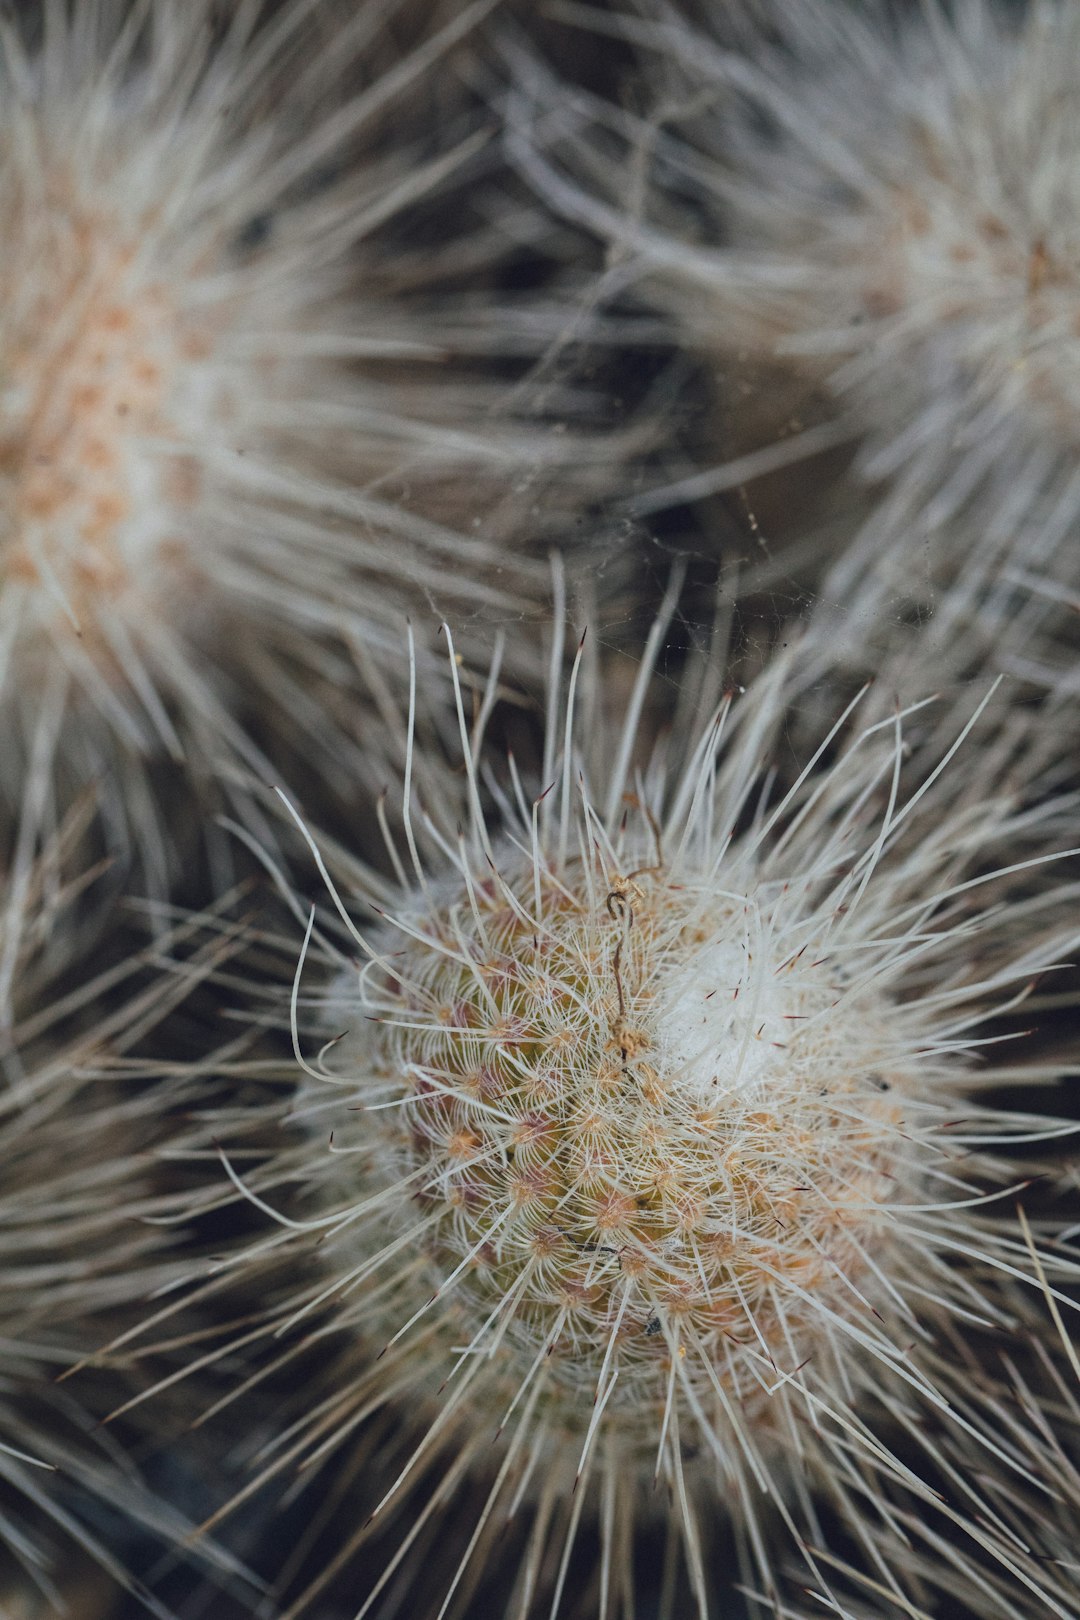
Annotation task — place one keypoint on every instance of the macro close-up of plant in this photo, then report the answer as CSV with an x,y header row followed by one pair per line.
x,y
539,809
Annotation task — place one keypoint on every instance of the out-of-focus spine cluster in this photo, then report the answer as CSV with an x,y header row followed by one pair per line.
x,y
539,813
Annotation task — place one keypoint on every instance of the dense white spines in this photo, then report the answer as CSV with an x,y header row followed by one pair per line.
x,y
230,441
656,1144
625,1140
884,201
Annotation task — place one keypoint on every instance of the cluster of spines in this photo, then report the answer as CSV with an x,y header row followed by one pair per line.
x,y
488,1213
